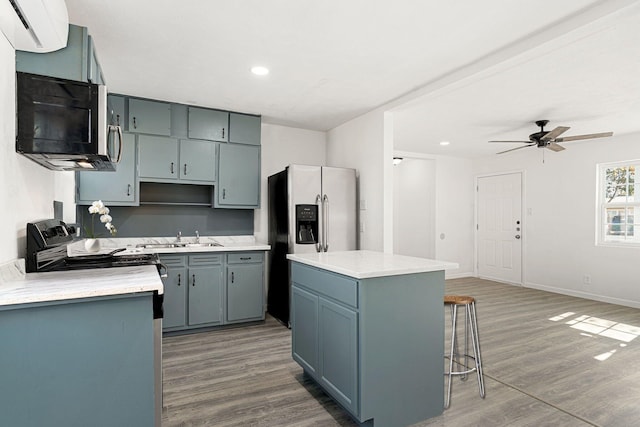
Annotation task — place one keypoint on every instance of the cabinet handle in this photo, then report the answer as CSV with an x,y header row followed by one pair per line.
x,y
245,258
128,189
185,168
222,133
118,119
193,280
135,124
178,279
224,193
171,167
232,277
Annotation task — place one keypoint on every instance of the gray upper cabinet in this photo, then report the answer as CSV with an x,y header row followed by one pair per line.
x,y
158,157
116,111
77,61
197,160
212,125
149,117
238,177
244,129
117,188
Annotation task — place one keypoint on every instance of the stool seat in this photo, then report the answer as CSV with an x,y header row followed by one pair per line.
x,y
458,299
463,363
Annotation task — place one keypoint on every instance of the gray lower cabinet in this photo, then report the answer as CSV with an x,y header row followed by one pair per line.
x,y
238,177
77,61
375,344
119,188
245,287
197,294
152,117
81,362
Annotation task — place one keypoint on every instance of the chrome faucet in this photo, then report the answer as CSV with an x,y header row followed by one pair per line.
x,y
197,237
179,236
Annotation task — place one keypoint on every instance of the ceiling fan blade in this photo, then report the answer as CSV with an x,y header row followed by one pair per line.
x,y
588,136
556,132
517,148
523,142
555,147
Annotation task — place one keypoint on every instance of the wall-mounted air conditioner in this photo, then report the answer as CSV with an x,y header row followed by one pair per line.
x,y
35,25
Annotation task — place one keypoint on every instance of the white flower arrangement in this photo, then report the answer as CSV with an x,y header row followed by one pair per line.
x,y
99,208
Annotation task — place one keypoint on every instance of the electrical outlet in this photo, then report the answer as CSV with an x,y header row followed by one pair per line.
x,y
586,279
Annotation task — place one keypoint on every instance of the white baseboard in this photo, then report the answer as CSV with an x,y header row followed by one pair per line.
x,y
448,275
586,295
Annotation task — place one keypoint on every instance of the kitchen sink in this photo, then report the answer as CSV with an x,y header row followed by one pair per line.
x,y
177,245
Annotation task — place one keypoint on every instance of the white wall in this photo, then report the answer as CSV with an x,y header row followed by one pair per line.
x,y
360,144
27,190
414,207
560,220
282,146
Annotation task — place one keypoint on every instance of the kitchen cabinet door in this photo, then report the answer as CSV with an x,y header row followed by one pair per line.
x,y
245,293
117,188
205,295
158,158
304,329
244,129
212,125
238,177
115,110
149,117
197,161
175,295
77,61
338,352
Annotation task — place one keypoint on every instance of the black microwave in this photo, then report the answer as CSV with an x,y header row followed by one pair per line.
x,y
62,124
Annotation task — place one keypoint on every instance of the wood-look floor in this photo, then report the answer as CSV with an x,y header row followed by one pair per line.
x,y
538,372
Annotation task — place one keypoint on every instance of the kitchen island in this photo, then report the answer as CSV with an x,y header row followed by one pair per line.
x,y
78,347
368,327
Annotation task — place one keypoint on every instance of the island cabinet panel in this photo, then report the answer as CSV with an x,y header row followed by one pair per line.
x,y
151,117
304,329
119,188
84,362
208,124
374,344
238,177
244,129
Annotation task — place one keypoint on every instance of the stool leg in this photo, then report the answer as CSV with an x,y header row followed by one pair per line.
x,y
454,315
476,347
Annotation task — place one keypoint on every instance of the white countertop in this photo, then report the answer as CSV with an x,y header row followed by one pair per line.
x,y
16,287
368,264
229,244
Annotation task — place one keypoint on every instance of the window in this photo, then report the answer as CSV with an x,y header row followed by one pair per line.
x,y
619,208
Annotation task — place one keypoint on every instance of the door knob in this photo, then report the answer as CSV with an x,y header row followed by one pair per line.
x,y
517,236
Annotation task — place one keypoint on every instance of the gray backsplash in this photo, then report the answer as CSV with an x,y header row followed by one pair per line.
x,y
166,221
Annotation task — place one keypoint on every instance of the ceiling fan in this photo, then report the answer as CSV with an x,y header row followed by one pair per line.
x,y
550,139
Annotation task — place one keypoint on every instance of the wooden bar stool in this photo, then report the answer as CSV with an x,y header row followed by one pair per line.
x,y
460,363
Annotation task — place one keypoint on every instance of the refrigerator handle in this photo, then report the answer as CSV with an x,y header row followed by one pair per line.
x,y
325,226
320,233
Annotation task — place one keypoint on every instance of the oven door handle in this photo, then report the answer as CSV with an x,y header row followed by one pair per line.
x,y
164,274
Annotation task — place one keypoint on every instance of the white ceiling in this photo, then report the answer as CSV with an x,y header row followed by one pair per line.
x,y
464,71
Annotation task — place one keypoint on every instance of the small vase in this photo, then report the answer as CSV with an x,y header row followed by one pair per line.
x,y
92,245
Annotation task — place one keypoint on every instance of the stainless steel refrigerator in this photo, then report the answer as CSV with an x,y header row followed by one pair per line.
x,y
311,209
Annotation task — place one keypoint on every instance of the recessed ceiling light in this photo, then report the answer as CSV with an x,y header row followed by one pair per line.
x,y
259,70
444,143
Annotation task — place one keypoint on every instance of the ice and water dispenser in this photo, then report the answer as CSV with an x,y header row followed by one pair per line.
x,y
306,224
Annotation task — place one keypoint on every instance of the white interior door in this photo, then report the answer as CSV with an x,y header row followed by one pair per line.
x,y
499,231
